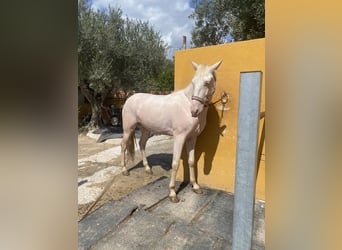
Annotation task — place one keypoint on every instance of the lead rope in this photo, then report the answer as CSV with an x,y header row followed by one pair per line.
x,y
104,190
224,98
98,198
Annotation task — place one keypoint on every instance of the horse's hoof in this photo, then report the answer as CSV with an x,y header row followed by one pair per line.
x,y
125,173
149,171
197,191
174,199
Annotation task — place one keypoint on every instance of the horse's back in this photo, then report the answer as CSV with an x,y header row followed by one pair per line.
x,y
141,101
154,103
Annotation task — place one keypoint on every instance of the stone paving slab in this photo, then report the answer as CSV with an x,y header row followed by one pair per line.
x,y
141,231
227,245
145,219
150,194
189,206
182,237
99,223
216,219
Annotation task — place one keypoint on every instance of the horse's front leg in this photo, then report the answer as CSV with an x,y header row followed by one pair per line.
x,y
190,147
177,150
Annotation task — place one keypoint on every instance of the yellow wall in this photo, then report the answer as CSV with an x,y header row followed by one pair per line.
x,y
216,146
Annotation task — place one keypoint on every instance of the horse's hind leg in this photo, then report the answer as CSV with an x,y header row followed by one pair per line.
x,y
124,141
190,147
142,144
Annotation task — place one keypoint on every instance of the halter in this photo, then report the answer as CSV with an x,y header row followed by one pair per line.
x,y
201,100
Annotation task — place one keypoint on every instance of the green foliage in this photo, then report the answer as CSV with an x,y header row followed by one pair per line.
x,y
249,19
165,79
144,55
216,19
115,52
95,36
118,53
211,22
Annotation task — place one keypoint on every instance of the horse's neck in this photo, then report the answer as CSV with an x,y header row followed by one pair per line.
x,y
189,91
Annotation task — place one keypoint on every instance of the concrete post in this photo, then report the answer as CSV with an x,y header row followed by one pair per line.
x,y
246,159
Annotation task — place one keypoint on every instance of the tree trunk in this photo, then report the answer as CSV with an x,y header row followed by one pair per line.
x,y
95,120
95,104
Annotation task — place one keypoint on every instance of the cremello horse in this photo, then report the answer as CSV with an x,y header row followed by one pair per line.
x,y
181,114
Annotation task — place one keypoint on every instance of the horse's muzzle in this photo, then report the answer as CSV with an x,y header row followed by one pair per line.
x,y
196,109
194,114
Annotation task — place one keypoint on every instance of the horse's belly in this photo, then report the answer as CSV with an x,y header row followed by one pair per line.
x,y
156,127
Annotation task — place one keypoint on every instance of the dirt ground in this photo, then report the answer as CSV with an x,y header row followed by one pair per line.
x,y
97,174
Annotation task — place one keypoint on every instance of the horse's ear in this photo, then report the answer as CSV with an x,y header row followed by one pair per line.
x,y
195,65
215,66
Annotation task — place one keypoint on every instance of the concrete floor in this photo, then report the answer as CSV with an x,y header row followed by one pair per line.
x,y
146,219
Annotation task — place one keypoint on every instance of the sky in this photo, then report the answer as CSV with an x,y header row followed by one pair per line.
x,y
168,17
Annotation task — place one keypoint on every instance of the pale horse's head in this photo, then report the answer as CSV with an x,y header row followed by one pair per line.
x,y
203,82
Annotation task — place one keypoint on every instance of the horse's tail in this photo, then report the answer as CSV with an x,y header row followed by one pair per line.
x,y
130,147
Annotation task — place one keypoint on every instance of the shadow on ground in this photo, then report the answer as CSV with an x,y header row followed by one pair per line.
x,y
163,160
